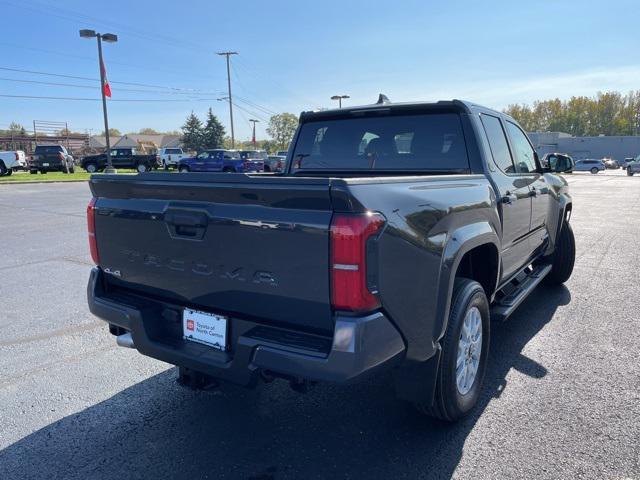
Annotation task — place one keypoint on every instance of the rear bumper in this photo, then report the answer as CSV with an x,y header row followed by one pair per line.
x,y
360,345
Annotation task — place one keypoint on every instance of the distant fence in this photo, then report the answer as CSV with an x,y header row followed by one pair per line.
x,y
75,143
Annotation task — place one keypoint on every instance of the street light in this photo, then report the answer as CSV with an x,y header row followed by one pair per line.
x,y
339,98
109,38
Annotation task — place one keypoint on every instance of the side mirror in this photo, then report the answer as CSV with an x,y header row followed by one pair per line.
x,y
564,164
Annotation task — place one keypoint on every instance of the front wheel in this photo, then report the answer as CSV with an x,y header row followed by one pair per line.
x,y
141,168
91,168
9,172
629,172
594,170
33,172
183,169
465,350
564,256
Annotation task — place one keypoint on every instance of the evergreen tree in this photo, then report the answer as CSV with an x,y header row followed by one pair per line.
x,y
192,133
213,132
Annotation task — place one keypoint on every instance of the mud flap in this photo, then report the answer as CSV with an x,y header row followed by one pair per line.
x,y
416,382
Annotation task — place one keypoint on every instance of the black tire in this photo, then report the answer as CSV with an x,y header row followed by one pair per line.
x,y
228,170
594,170
33,172
3,169
629,172
183,169
165,166
563,257
142,167
43,172
72,170
449,404
91,167
9,172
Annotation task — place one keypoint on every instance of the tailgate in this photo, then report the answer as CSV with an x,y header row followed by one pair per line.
x,y
256,247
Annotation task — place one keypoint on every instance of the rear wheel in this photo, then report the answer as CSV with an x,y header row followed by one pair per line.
x,y
594,170
91,167
183,169
564,256
3,169
43,172
141,167
465,349
9,172
629,172
228,169
33,172
164,165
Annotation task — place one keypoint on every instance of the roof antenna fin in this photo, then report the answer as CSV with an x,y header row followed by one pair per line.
x,y
383,99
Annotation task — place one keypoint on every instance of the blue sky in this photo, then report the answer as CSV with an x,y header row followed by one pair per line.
x,y
294,55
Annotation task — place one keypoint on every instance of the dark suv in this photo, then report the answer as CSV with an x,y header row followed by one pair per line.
x,y
51,158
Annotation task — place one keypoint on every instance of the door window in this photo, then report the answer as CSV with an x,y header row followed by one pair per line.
x,y
523,152
498,143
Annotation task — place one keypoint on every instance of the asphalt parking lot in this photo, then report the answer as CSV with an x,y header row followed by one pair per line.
x,y
561,397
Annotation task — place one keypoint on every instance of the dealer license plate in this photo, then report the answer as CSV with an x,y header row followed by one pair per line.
x,y
206,328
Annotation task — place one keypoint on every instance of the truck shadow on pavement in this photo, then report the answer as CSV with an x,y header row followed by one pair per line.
x,y
156,429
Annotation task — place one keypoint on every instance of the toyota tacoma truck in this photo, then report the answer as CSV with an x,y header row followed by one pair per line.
x,y
121,157
394,236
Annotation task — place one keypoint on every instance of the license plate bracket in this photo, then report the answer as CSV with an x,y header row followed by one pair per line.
x,y
205,328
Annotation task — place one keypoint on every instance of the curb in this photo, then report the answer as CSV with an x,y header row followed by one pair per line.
x,y
35,182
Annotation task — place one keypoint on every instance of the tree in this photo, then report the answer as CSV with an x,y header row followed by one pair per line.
x,y
15,127
148,131
113,132
192,133
213,132
281,128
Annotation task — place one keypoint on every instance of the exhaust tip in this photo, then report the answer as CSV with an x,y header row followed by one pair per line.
x,y
125,340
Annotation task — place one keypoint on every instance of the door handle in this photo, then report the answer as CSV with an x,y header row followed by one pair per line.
x,y
508,198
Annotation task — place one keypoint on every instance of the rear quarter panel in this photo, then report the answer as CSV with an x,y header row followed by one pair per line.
x,y
431,223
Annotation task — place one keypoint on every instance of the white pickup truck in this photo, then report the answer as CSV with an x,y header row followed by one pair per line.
x,y
169,157
12,160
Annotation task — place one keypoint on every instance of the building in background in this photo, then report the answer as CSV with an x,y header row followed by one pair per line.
x,y
147,143
617,148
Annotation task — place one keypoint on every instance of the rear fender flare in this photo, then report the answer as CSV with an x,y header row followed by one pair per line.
x,y
459,242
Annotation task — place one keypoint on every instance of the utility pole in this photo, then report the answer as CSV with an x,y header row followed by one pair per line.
x,y
228,54
339,98
253,139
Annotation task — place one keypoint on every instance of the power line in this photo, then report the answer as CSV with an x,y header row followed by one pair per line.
x,y
33,72
111,100
92,87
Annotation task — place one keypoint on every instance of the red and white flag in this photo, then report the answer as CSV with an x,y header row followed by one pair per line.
x,y
106,88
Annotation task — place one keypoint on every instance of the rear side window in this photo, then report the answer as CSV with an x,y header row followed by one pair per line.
x,y
423,142
498,143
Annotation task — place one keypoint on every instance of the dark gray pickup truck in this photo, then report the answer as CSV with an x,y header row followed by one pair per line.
x,y
393,237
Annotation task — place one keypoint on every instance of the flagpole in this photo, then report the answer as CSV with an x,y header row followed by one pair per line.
x,y
109,168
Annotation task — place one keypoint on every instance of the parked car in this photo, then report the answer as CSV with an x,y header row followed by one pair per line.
x,y
121,157
219,160
257,157
551,160
611,163
51,158
11,161
384,259
589,165
170,157
282,153
626,162
274,163
633,167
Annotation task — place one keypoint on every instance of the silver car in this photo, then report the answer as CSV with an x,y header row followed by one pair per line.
x,y
589,165
633,166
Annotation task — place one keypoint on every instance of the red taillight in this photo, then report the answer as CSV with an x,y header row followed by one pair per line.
x,y
17,156
91,228
349,235
61,156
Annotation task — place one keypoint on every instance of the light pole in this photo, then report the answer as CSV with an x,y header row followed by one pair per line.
x,y
253,139
228,54
339,98
109,38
